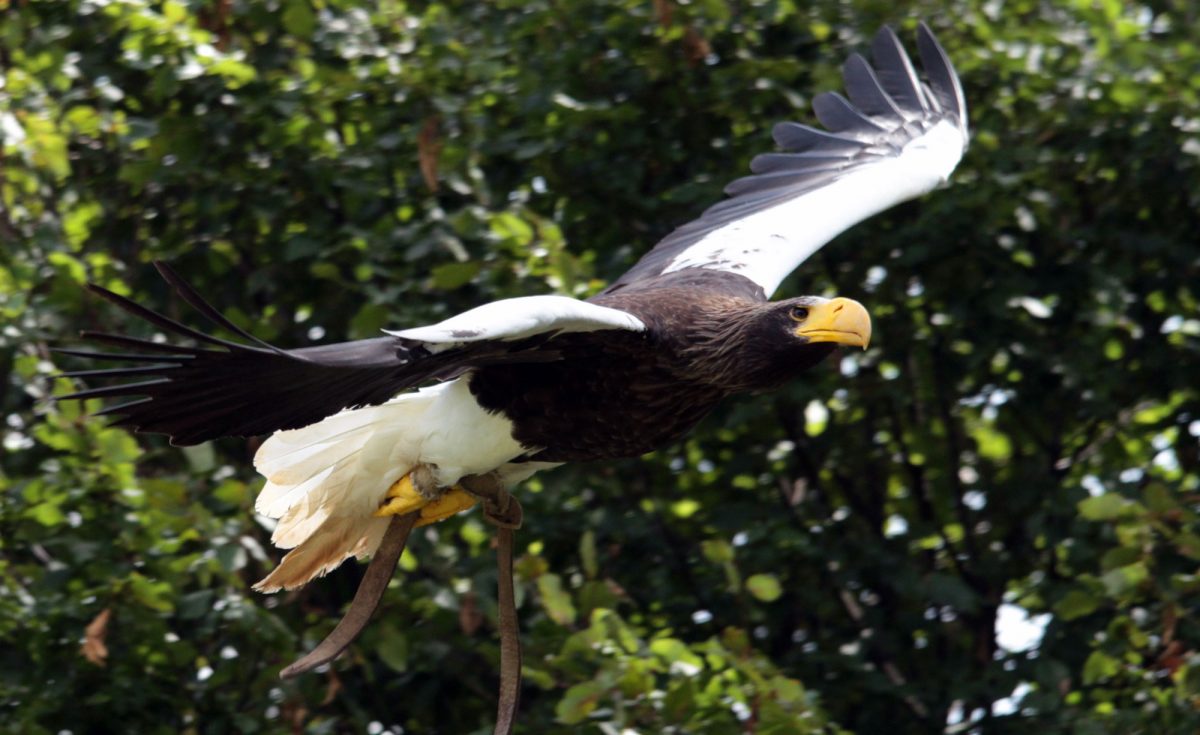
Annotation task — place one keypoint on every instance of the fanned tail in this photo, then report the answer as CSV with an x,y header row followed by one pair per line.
x,y
337,539
324,481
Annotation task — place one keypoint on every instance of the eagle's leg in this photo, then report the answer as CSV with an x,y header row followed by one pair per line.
x,y
417,490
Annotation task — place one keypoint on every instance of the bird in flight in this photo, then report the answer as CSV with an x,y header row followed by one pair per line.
x,y
364,430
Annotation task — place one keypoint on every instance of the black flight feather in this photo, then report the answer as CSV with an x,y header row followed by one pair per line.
x,y
226,388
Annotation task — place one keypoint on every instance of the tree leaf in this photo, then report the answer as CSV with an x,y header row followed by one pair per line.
x,y
1076,604
1106,507
764,587
555,599
579,702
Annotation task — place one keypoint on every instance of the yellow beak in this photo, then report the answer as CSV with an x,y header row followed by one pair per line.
x,y
841,321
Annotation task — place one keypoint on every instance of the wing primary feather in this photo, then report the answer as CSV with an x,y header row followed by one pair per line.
x,y
766,163
157,319
118,372
897,74
942,79
836,113
124,389
797,137
114,356
197,302
145,344
120,408
866,92
198,393
778,179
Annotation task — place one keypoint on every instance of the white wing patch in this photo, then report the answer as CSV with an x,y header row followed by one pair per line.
x,y
894,138
768,245
518,318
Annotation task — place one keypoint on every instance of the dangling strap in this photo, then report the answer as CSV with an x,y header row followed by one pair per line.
x,y
503,511
500,509
366,599
510,636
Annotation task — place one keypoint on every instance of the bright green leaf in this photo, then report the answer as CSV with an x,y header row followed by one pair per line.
x,y
764,587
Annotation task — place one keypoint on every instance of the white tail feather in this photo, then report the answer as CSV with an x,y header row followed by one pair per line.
x,y
325,480
336,540
329,463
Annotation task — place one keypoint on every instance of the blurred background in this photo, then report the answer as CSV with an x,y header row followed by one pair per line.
x,y
986,523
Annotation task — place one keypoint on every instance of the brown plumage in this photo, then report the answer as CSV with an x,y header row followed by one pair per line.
x,y
622,394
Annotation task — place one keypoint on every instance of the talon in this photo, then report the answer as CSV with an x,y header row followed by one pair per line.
x,y
405,496
454,501
402,497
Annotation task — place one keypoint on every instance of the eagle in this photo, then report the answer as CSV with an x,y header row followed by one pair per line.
x,y
364,430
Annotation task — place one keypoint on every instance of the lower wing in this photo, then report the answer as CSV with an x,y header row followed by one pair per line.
x,y
224,388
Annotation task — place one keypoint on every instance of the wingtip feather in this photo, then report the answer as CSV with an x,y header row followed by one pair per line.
x,y
896,72
942,76
867,92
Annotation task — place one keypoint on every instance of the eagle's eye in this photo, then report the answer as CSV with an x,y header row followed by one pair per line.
x,y
799,313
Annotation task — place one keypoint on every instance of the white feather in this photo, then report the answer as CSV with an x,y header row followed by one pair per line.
x,y
770,244
326,480
351,442
521,317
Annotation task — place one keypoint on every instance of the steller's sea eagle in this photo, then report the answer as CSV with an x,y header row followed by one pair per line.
x,y
519,385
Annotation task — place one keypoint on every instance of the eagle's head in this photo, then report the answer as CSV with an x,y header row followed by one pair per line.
x,y
793,335
812,320
751,347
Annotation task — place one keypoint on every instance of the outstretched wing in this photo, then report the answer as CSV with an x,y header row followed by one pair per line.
x,y
894,139
224,388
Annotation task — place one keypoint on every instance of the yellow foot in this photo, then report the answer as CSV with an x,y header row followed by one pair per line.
x,y
454,501
403,497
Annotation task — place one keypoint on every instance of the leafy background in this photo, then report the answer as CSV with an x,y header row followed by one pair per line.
x,y
985,523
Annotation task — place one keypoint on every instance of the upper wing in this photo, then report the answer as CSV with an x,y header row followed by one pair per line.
x,y
894,139
225,388
512,319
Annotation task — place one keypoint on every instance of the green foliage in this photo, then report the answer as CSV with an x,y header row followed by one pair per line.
x,y
1022,437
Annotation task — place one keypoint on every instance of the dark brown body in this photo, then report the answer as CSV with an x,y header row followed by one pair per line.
x,y
602,400
622,394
